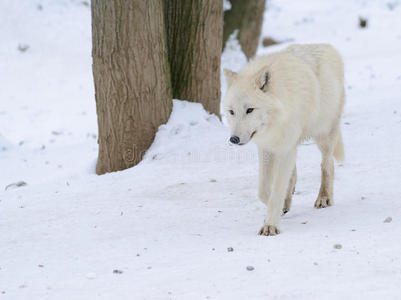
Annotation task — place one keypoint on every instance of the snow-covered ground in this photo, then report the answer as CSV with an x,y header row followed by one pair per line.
x,y
162,229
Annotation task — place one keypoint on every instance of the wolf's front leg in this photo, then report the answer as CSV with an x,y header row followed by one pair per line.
x,y
266,166
290,191
283,167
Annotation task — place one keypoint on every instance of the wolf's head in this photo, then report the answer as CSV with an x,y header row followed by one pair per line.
x,y
247,105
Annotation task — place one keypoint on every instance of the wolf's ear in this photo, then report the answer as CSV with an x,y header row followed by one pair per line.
x,y
230,76
264,81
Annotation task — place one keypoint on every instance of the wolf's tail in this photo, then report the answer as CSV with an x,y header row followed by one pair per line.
x,y
339,149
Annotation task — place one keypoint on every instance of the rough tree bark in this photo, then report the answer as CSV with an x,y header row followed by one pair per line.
x,y
247,18
131,75
194,35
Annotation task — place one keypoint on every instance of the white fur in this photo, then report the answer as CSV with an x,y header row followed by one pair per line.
x,y
296,94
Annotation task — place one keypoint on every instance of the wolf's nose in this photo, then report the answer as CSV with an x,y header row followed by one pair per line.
x,y
234,139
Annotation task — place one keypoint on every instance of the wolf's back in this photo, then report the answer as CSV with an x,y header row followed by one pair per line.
x,y
318,56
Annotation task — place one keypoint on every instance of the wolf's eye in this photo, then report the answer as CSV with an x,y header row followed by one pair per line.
x,y
249,110
231,112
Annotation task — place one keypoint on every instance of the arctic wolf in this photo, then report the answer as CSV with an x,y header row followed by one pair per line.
x,y
278,101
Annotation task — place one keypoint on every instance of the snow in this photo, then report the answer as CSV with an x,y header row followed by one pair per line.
x,y
163,229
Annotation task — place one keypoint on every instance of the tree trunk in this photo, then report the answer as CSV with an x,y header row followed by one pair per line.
x,y
194,35
247,18
131,75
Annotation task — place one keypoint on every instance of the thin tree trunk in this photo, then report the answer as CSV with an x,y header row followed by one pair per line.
x,y
194,35
247,18
131,75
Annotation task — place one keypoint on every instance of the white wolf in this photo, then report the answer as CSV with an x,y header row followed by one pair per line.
x,y
278,101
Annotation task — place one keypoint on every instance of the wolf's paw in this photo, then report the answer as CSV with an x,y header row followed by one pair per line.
x,y
269,230
323,201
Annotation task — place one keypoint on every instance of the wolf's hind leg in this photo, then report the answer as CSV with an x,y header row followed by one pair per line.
x,y
290,191
327,145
